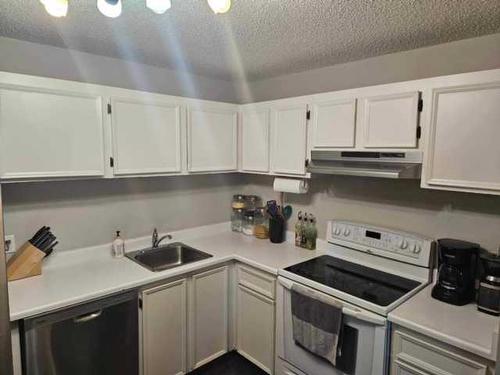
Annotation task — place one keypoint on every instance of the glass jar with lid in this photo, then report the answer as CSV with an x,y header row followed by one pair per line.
x,y
252,202
239,202
261,220
237,219
248,223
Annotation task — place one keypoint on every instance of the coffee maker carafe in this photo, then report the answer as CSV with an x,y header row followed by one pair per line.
x,y
488,300
456,271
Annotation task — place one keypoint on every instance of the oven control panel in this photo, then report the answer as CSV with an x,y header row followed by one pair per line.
x,y
408,247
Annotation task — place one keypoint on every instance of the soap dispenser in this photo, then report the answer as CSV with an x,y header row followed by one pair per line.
x,y
118,246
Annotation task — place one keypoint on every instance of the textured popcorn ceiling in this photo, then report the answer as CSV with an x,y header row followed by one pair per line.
x,y
257,38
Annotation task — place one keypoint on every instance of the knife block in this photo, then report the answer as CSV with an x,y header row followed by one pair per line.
x,y
26,262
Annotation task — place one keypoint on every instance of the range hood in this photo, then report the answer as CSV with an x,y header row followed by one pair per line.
x,y
367,163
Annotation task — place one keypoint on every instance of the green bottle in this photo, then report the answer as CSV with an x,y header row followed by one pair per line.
x,y
311,233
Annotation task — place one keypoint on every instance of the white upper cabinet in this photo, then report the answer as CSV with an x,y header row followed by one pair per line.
x,y
463,151
390,121
255,132
50,133
212,139
334,124
289,139
146,137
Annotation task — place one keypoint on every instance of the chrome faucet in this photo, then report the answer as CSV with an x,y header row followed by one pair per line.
x,y
156,241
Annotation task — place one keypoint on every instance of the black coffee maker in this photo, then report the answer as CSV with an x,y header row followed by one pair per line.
x,y
457,271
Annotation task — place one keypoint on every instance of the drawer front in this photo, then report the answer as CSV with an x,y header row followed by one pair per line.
x,y
430,358
257,281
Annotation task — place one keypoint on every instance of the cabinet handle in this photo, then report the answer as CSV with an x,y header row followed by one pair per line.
x,y
86,318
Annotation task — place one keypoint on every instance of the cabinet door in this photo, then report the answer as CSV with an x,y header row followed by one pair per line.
x,y
463,143
212,139
146,137
390,121
209,316
46,133
164,329
334,123
255,328
255,126
289,139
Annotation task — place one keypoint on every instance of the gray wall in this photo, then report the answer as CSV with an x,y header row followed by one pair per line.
x,y
399,204
42,60
86,213
450,58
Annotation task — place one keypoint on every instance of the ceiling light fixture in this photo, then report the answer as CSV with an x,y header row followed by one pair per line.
x,y
159,6
56,8
110,8
219,6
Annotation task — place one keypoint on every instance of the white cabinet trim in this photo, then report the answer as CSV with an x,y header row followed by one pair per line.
x,y
145,171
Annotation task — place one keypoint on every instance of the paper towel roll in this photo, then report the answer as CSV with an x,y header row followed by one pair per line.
x,y
289,185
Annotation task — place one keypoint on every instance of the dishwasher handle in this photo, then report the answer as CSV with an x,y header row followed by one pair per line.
x,y
87,317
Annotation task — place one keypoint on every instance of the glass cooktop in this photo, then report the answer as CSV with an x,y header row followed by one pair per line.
x,y
363,282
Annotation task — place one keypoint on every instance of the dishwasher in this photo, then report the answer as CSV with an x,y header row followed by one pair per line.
x,y
99,337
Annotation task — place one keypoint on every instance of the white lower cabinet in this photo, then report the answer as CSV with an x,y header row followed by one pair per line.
x,y
208,321
415,354
255,316
164,329
255,328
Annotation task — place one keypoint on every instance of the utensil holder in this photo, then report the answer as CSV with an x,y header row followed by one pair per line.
x,y
277,229
26,262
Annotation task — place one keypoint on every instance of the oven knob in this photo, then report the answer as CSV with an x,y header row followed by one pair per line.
x,y
416,249
336,231
403,244
347,232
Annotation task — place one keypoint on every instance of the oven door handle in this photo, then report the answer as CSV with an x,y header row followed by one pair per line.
x,y
349,310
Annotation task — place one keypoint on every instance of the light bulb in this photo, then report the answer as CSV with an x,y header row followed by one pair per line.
x,y
219,6
110,8
56,8
159,6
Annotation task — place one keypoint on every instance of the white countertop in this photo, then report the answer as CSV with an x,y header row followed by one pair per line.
x,y
461,326
73,277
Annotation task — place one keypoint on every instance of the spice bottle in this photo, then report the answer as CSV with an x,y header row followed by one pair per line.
x,y
299,226
305,225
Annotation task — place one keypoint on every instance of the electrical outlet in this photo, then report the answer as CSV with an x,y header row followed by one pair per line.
x,y
10,244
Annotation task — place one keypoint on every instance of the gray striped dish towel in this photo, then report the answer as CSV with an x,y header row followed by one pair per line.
x,y
316,322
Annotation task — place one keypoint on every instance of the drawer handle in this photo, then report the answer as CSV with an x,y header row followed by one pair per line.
x,y
88,317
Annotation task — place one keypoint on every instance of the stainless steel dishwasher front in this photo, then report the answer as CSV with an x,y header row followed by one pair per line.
x,y
100,337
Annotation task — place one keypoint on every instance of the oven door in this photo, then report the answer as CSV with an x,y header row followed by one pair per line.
x,y
363,342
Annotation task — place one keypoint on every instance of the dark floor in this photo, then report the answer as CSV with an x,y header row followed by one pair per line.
x,y
229,364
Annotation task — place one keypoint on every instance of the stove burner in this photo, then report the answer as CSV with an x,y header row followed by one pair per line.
x,y
363,282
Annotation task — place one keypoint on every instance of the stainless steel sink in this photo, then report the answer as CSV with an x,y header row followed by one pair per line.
x,y
169,256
